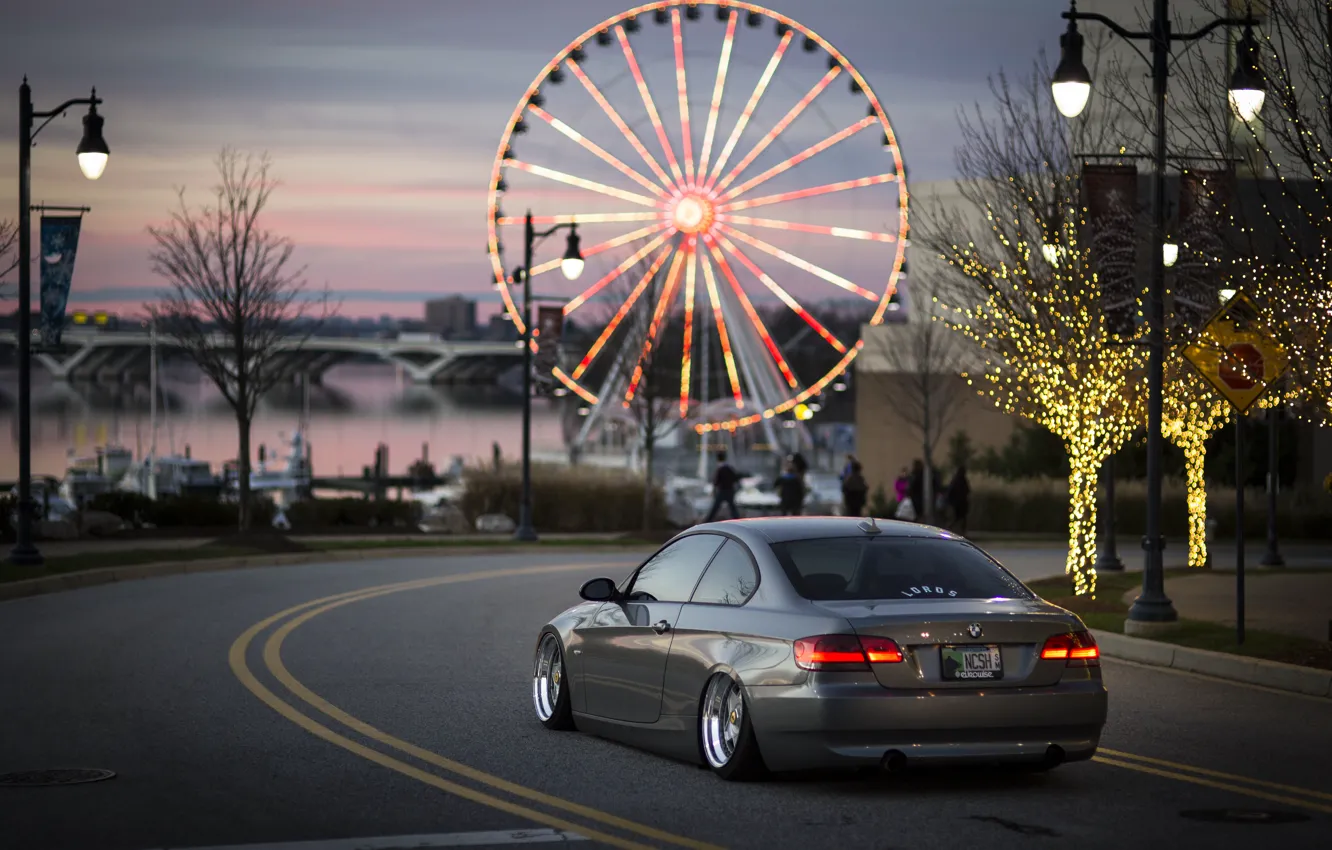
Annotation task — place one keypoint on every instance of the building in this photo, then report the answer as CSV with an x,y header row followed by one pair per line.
x,y
453,317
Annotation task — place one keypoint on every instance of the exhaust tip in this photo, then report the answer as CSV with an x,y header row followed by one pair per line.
x,y
893,761
1054,756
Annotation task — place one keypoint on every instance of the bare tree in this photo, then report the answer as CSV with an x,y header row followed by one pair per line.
x,y
927,359
236,305
647,393
8,257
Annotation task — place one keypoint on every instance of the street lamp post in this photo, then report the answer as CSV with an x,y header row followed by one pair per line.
x,y
572,266
92,154
1071,86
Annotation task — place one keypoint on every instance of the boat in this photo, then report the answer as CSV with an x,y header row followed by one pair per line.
x,y
292,479
173,475
87,477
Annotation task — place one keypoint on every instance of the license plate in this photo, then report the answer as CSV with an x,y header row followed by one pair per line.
x,y
969,663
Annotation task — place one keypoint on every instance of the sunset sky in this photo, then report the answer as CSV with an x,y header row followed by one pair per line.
x,y
383,118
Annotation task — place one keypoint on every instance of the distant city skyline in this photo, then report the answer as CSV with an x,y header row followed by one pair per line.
x,y
382,120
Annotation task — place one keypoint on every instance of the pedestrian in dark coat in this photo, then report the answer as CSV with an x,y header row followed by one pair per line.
x,y
790,487
855,490
959,498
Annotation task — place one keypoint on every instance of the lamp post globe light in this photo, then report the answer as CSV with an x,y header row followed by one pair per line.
x,y
571,266
93,154
1070,87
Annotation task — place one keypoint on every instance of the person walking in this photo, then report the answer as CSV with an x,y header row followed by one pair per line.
x,y
724,483
790,487
959,498
902,485
855,490
846,470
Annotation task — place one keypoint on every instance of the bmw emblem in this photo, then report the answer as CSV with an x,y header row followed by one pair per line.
x,y
975,630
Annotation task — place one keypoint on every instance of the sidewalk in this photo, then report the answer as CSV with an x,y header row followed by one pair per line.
x,y
1298,604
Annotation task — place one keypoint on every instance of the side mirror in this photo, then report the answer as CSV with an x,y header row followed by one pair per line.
x,y
598,590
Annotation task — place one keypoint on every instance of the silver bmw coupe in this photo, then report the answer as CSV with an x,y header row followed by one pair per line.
x,y
782,644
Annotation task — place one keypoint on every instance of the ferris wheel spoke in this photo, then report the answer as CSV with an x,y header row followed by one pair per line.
x,y
608,158
806,265
820,229
649,103
808,152
785,296
572,383
619,123
748,112
753,315
714,109
780,127
580,182
623,239
687,141
686,360
615,321
813,191
623,267
645,354
719,318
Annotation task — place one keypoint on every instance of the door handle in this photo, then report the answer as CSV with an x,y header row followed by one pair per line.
x,y
661,627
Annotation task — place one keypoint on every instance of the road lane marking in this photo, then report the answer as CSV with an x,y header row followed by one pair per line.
x,y
272,655
308,610
417,842
1221,786
1217,774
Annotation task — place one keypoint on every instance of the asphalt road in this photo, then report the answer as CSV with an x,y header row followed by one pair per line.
x,y
408,714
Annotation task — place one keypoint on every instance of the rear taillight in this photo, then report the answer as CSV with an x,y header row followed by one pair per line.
x,y
1079,648
845,652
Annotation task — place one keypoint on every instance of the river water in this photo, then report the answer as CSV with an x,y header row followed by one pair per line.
x,y
356,408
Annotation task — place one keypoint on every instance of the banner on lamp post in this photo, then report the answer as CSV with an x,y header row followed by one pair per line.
x,y
1204,202
549,327
59,244
1110,194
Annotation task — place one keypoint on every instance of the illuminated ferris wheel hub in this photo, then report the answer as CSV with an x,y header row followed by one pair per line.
x,y
700,184
693,213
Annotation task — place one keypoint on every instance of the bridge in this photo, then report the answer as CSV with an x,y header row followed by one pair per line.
x,y
90,355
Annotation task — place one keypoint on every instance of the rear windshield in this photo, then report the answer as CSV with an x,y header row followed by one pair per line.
x,y
894,568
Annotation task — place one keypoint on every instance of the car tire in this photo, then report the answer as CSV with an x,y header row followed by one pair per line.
x,y
725,734
550,685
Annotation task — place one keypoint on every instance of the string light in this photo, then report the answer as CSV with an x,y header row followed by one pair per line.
x,y
1049,358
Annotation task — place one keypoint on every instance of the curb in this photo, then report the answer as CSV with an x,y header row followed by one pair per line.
x,y
1309,681
24,588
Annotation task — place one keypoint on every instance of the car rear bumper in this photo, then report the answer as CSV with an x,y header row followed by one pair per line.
x,y
855,724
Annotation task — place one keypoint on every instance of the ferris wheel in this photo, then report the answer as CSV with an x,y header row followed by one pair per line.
x,y
673,208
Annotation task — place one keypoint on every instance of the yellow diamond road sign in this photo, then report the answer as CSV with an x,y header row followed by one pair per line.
x,y
1237,354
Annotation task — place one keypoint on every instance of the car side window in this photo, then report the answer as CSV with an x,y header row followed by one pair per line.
x,y
670,575
730,578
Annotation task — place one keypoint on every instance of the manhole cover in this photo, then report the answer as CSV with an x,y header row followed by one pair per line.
x,y
68,776
1243,816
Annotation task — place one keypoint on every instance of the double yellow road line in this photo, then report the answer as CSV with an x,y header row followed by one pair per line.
x,y
1261,789
536,806
294,617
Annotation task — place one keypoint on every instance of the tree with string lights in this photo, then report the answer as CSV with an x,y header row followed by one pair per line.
x,y
1275,122
1046,346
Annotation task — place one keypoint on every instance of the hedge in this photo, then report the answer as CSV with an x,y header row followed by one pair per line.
x,y
576,499
1040,506
352,512
180,511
